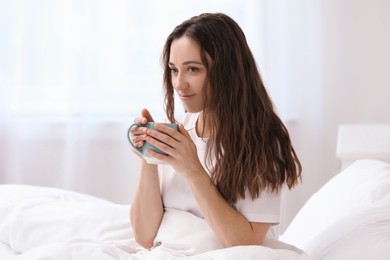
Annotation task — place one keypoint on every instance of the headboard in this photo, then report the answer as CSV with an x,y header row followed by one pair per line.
x,y
363,141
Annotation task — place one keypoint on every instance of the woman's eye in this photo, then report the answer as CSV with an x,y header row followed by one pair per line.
x,y
193,69
173,70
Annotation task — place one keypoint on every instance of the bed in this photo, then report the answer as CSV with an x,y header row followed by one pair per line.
x,y
347,218
51,223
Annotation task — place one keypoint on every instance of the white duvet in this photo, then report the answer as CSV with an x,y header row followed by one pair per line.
x,y
49,223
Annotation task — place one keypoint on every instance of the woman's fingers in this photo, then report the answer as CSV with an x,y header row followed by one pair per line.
x,y
173,133
177,144
137,135
161,145
146,115
138,141
163,138
141,120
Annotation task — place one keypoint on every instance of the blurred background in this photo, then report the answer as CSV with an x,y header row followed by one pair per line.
x,y
74,74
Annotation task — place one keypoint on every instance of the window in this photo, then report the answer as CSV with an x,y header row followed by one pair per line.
x,y
96,57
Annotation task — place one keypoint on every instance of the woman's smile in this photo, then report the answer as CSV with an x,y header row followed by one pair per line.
x,y
185,97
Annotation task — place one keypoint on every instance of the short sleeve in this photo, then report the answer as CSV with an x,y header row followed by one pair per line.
x,y
265,208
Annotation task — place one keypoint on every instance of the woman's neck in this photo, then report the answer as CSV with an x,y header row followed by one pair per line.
x,y
202,128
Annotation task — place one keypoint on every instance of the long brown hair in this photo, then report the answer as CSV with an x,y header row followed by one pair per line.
x,y
251,145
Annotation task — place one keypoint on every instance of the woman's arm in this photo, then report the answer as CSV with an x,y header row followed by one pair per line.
x,y
147,209
229,225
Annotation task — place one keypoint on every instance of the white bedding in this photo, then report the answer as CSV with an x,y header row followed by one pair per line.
x,y
348,218
6,252
49,223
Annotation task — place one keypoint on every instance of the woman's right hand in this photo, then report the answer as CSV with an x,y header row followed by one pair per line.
x,y
138,134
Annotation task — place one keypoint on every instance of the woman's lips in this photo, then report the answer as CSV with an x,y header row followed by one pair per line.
x,y
186,96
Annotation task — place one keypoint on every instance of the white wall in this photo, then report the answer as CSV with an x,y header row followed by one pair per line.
x,y
339,64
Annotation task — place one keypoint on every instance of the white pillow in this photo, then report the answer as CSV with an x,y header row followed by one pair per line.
x,y
356,190
363,234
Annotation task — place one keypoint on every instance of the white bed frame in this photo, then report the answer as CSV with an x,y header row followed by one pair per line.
x,y
363,141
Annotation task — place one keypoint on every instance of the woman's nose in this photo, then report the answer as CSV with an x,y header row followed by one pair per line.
x,y
180,82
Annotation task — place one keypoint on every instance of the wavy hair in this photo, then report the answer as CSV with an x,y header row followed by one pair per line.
x,y
251,145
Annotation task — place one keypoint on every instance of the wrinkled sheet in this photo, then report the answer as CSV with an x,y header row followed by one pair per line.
x,y
49,223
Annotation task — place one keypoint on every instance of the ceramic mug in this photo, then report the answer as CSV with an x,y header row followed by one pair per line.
x,y
147,146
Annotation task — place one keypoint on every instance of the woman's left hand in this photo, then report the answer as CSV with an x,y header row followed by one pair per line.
x,y
181,150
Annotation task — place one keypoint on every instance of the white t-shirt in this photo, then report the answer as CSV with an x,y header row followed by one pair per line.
x,y
177,194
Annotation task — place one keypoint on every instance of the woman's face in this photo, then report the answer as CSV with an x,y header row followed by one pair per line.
x,y
188,73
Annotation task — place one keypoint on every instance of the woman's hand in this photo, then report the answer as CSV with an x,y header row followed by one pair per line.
x,y
138,134
181,150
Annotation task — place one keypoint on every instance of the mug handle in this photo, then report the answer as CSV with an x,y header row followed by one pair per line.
x,y
128,137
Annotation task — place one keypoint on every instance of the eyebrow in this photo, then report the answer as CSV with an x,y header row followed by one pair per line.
x,y
186,63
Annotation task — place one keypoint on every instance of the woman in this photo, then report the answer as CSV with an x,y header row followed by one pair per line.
x,y
231,155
